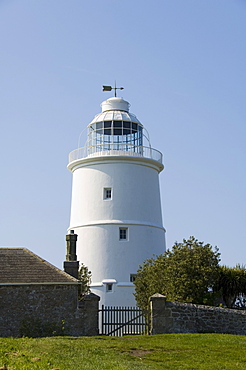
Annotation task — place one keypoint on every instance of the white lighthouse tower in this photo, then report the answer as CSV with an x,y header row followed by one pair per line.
x,y
116,206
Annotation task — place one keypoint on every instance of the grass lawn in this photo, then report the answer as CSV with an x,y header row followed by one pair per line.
x,y
169,351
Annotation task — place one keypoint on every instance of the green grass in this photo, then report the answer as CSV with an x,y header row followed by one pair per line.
x,y
170,351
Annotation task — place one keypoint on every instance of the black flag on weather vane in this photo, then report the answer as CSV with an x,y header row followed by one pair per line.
x,y
107,88
110,88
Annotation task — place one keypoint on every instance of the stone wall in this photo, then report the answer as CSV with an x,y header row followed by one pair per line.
x,y
174,317
56,306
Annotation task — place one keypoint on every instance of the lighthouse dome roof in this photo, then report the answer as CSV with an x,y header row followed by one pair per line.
x,y
115,109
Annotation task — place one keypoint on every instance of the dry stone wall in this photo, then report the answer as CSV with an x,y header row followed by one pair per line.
x,y
174,317
54,307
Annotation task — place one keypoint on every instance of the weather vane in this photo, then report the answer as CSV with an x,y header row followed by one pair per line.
x,y
109,88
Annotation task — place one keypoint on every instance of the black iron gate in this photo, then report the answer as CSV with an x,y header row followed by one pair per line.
x,y
119,321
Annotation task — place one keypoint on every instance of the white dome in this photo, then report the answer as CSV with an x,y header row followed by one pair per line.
x,y
115,104
116,109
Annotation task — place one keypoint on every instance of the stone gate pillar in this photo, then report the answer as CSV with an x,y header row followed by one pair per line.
x,y
158,317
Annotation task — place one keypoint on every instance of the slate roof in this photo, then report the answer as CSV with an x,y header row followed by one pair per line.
x,y
19,265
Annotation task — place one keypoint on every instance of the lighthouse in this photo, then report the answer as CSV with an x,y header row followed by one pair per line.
x,y
116,205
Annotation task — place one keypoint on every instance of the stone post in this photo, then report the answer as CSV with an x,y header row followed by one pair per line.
x,y
89,310
158,314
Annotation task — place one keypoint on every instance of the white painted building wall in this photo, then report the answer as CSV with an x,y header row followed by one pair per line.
x,y
134,205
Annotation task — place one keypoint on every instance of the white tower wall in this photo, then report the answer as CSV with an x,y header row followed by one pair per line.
x,y
135,191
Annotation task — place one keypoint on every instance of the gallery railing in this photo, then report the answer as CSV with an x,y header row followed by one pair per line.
x,y
114,149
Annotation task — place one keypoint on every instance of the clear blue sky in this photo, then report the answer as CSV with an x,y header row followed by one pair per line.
x,y
183,66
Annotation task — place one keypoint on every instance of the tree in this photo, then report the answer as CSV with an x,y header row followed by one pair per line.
x,y
187,273
84,277
232,285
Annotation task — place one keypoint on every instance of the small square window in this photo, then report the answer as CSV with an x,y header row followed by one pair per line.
x,y
109,287
133,277
123,233
107,193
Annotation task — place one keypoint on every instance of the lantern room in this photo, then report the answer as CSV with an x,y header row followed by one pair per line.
x,y
116,131
115,128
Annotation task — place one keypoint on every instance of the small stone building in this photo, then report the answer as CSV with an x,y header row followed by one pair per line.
x,y
38,299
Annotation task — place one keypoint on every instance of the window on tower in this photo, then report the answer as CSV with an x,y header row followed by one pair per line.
x,y
123,233
107,193
133,277
109,287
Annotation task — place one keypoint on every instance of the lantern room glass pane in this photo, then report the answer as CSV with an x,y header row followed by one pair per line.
x,y
115,135
126,128
117,123
107,124
134,127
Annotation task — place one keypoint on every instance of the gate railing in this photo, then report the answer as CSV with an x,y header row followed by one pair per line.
x,y
119,321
